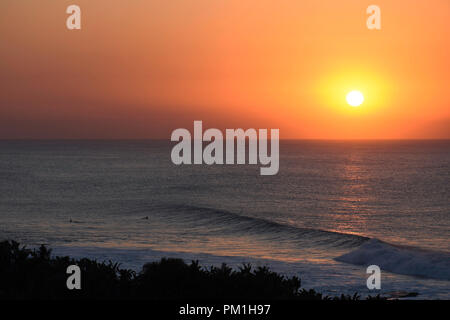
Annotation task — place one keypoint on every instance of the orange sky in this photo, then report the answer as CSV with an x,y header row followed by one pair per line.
x,y
142,68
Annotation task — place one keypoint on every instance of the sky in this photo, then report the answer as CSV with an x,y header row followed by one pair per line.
x,y
142,68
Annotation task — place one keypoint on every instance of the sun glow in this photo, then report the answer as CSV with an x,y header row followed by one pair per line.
x,y
355,98
357,92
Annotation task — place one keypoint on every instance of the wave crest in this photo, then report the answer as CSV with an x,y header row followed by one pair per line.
x,y
238,223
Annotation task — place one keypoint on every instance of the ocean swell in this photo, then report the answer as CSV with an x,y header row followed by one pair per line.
x,y
238,223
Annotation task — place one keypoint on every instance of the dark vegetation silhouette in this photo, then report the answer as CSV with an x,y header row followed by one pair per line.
x,y
35,274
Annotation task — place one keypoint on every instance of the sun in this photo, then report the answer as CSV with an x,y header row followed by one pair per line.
x,y
355,98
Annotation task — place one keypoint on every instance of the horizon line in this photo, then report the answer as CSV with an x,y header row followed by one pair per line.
x,y
168,139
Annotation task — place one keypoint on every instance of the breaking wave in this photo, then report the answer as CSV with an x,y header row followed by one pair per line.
x,y
401,260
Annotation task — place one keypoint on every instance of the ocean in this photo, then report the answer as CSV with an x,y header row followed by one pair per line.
x,y
334,208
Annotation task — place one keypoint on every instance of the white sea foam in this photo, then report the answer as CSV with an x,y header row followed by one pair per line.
x,y
401,260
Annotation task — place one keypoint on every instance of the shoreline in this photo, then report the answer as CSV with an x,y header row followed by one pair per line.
x,y
329,278
36,273
164,261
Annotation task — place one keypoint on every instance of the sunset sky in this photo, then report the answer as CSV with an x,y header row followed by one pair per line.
x,y
142,68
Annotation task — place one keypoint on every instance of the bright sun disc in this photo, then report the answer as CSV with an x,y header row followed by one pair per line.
x,y
355,98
